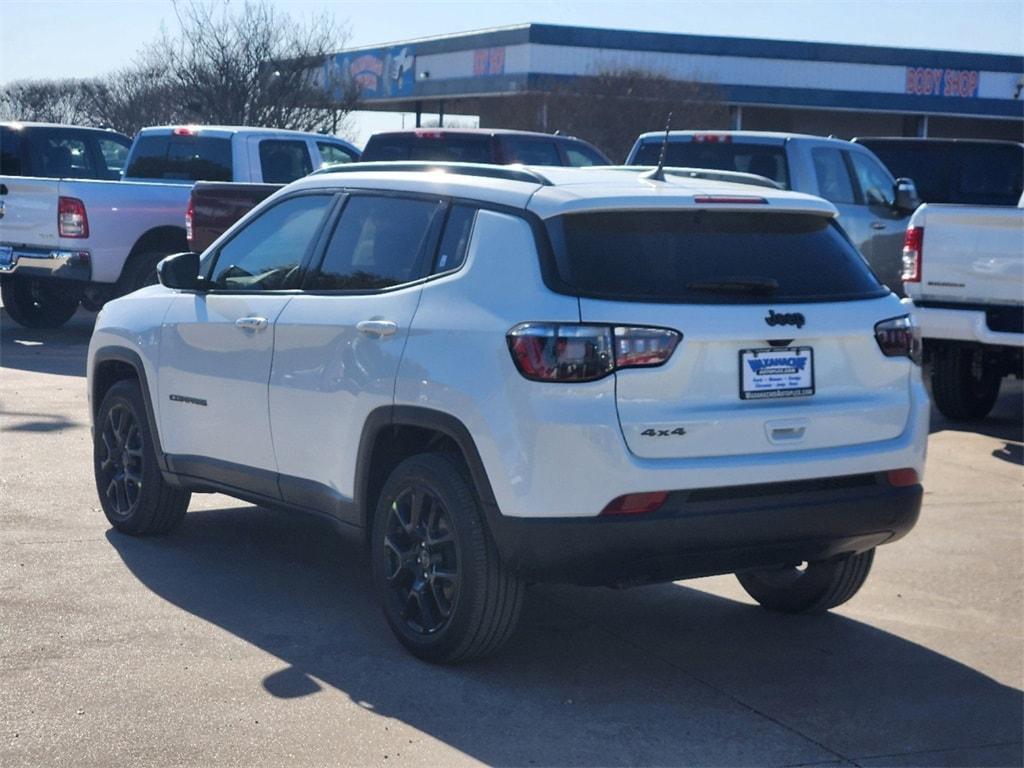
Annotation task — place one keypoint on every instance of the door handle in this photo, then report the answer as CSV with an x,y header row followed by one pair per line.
x,y
251,323
377,328
878,225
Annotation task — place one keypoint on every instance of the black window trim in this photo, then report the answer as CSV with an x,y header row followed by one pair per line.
x,y
427,258
317,244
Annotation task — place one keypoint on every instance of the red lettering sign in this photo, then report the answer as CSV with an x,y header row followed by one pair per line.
x,y
925,81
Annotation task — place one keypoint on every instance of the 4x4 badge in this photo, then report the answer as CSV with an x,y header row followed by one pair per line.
x,y
788,318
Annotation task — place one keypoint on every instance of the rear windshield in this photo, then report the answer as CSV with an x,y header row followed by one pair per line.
x,y
968,174
767,161
702,257
188,158
451,147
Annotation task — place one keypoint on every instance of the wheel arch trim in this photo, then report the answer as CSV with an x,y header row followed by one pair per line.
x,y
112,353
391,416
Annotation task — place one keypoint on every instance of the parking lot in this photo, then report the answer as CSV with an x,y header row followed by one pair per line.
x,y
250,637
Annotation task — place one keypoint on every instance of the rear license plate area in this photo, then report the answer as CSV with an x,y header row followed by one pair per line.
x,y
772,373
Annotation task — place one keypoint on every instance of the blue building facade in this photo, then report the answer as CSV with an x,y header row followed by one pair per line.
x,y
767,84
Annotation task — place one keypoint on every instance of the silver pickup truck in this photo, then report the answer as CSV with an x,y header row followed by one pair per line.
x,y
873,206
69,241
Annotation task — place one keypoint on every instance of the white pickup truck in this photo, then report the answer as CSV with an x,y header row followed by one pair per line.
x,y
68,241
963,267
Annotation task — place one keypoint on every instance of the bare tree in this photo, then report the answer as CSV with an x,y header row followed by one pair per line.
x,y
612,107
136,96
251,65
45,101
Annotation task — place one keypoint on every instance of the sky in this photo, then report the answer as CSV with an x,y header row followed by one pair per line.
x,y
86,38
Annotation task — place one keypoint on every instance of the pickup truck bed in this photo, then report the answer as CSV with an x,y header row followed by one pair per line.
x,y
215,206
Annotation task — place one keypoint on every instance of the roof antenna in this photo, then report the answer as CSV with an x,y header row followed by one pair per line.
x,y
658,174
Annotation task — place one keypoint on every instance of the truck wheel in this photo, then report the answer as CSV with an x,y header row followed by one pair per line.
x,y
36,303
133,493
445,592
964,386
139,272
814,588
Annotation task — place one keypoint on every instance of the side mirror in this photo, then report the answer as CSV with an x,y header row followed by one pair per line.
x,y
905,195
180,271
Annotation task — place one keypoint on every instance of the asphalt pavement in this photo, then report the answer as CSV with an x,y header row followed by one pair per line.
x,y
251,637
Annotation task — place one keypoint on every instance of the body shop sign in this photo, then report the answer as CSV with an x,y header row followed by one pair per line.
x,y
929,81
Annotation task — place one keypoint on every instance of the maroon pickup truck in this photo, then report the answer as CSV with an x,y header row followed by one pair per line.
x,y
216,205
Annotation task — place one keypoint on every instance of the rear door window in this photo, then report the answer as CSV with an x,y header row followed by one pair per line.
x,y
833,175
59,154
764,160
379,242
531,151
703,257
187,158
284,160
267,253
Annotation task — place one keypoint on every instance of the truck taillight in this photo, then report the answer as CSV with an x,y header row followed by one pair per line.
x,y
71,218
574,352
913,245
189,212
899,337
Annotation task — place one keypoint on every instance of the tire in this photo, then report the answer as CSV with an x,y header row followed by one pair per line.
x,y
444,533
139,272
37,303
964,385
813,589
133,493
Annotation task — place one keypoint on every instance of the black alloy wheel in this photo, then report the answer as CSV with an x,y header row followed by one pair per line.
x,y
445,591
136,498
423,562
121,460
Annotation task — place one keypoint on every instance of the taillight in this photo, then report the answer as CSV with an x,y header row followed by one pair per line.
x,y
635,503
188,220
71,218
913,243
580,352
186,130
712,138
899,337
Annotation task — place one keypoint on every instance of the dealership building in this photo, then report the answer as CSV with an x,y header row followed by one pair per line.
x,y
818,88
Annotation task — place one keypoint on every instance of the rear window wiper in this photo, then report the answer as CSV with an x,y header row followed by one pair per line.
x,y
736,285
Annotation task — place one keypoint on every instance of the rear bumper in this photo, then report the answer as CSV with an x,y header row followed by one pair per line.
x,y
52,263
710,531
965,325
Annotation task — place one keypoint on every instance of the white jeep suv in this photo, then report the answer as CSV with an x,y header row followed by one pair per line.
x,y
497,377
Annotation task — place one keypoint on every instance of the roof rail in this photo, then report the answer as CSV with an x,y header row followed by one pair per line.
x,y
710,174
506,172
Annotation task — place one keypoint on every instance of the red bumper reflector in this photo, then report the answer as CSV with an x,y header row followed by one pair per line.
x,y
902,478
635,503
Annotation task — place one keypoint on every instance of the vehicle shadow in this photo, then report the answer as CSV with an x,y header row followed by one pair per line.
x,y
661,675
60,351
